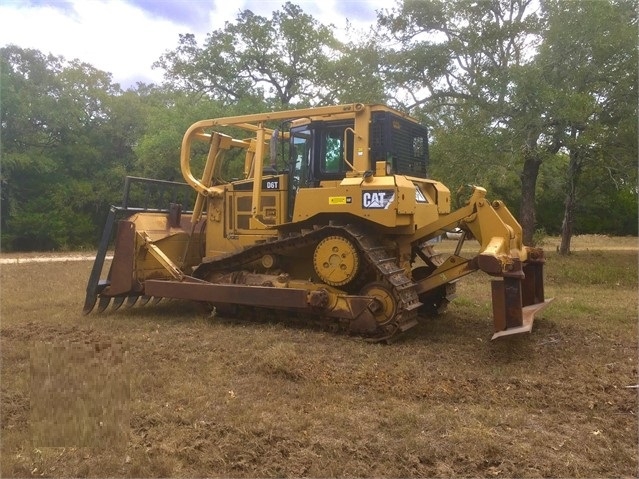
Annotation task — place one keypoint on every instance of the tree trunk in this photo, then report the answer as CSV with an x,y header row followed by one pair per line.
x,y
528,176
533,157
566,224
574,168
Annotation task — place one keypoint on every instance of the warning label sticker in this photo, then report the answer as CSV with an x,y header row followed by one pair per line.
x,y
339,200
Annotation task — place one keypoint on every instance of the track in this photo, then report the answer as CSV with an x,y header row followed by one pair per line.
x,y
381,276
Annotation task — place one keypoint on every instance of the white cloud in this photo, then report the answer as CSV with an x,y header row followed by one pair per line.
x,y
112,36
125,40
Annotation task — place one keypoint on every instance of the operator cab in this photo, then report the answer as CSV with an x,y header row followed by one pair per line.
x,y
322,151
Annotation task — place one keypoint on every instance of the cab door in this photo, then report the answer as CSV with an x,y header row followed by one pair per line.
x,y
300,164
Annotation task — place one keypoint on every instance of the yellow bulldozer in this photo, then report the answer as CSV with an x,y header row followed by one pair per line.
x,y
326,214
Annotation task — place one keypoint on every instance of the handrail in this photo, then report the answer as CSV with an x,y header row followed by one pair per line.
x,y
346,130
252,123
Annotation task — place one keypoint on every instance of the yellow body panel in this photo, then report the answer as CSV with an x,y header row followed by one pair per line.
x,y
388,201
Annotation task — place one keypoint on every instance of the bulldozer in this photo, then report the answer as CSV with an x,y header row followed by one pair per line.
x,y
326,214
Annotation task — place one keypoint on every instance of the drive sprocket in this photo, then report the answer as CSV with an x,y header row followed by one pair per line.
x,y
336,260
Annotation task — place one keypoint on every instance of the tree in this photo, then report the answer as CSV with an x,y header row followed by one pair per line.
x,y
354,74
453,53
507,89
283,59
589,58
457,65
64,143
168,113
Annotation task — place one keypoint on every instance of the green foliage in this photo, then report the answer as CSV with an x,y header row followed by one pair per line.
x,y
284,58
508,88
354,75
468,143
539,238
550,193
591,67
607,206
59,133
539,105
457,53
456,65
168,114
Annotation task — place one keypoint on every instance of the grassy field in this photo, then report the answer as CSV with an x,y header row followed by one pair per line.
x,y
168,391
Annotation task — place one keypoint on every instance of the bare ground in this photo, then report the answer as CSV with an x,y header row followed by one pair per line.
x,y
167,391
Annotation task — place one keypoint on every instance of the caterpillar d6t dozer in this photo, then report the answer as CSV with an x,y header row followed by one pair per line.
x,y
331,222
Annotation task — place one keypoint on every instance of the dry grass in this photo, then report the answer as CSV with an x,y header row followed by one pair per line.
x,y
167,391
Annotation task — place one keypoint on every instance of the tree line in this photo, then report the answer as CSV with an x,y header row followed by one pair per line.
x,y
535,100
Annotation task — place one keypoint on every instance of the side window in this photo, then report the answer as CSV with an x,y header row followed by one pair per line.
x,y
334,150
332,158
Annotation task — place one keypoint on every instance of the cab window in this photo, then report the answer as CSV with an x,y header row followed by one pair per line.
x,y
332,164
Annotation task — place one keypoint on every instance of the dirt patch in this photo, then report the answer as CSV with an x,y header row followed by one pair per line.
x,y
180,394
25,258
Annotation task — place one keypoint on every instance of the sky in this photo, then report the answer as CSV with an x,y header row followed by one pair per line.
x,y
125,37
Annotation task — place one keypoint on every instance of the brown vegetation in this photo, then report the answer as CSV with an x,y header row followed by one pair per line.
x,y
169,391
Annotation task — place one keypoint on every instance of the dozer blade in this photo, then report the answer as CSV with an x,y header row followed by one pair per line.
x,y
89,304
103,303
156,300
130,301
144,299
117,302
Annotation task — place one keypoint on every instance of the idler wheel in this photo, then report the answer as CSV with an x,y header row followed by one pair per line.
x,y
385,307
